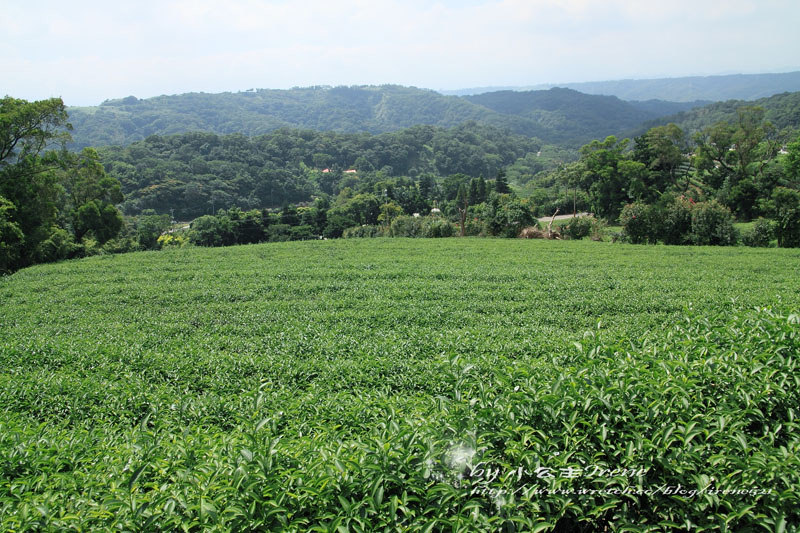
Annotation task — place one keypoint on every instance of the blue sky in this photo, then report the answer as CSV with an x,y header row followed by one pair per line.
x,y
86,52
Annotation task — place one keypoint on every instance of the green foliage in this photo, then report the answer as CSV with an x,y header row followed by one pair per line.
x,y
149,227
662,151
11,237
506,215
608,174
361,232
567,116
782,110
199,173
28,175
579,227
712,224
210,230
433,228
760,234
28,128
172,240
791,161
58,245
681,221
406,226
787,217
675,220
557,116
47,188
379,385
640,223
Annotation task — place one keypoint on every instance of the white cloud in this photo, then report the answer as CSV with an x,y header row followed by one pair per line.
x,y
89,51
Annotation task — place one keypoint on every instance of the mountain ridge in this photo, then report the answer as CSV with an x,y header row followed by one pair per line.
x,y
678,89
568,118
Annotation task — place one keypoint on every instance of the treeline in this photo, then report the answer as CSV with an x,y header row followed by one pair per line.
x,y
193,174
54,204
399,207
781,110
672,188
557,116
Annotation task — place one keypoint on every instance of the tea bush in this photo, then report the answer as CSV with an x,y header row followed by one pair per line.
x,y
403,385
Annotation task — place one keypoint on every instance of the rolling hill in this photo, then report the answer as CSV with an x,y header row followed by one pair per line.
x,y
556,116
782,110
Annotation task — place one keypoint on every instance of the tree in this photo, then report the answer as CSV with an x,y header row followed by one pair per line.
x,y
791,163
149,227
501,184
662,151
11,237
787,216
462,204
389,211
92,195
30,132
730,155
609,177
28,128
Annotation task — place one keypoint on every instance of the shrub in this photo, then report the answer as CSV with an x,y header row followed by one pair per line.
x,y
787,217
406,226
280,233
712,224
207,230
436,227
676,221
475,227
122,245
59,245
760,234
173,240
598,229
302,233
363,232
638,224
578,227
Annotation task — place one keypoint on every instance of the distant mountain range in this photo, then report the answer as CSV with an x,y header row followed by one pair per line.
x,y
555,116
686,89
560,116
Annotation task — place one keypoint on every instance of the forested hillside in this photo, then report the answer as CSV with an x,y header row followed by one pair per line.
x,y
556,117
198,173
576,114
782,110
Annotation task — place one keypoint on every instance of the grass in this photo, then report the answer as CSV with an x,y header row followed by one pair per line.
x,y
379,384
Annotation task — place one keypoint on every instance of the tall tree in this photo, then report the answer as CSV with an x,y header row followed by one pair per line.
x,y
610,178
662,149
33,136
734,157
92,197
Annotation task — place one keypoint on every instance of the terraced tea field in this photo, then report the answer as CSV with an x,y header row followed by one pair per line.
x,y
403,385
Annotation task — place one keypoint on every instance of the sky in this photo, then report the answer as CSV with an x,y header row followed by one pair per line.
x,y
89,51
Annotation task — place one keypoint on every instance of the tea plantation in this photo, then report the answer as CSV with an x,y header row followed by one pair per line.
x,y
403,385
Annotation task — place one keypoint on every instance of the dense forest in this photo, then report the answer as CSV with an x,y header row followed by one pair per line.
x,y
782,111
197,173
558,116
682,182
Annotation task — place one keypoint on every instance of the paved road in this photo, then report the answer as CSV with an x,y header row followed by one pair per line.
x,y
563,217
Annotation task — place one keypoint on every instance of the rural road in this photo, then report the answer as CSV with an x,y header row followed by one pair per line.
x,y
564,217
